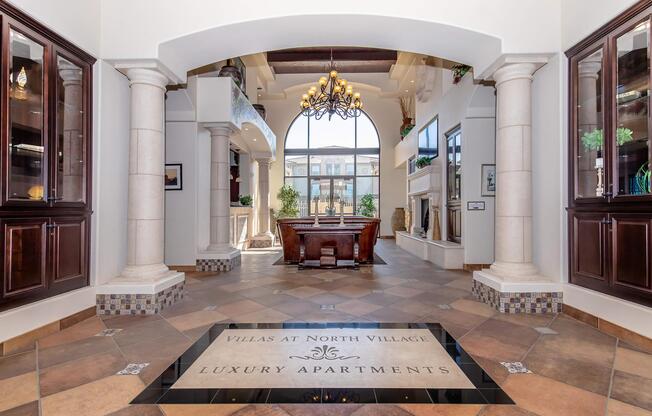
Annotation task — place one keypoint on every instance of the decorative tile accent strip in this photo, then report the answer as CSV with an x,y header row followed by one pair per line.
x,y
514,302
132,369
139,304
108,332
516,367
217,265
260,243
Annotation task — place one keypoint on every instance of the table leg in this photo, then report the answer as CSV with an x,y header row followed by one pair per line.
x,y
302,251
356,251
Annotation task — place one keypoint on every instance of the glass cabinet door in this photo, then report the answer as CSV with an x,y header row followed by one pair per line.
x,y
589,147
26,164
70,166
631,138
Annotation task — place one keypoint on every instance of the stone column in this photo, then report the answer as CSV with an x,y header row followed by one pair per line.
x,y
512,284
219,255
220,188
146,210
146,285
264,238
513,235
71,187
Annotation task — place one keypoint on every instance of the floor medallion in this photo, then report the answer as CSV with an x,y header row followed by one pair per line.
x,y
324,363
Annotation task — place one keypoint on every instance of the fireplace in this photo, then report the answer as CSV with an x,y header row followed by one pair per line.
x,y
425,215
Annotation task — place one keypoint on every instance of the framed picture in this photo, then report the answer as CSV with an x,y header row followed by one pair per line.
x,y
488,180
173,177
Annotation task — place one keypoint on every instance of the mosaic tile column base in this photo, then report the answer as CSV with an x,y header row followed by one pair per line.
x,y
515,302
139,304
217,265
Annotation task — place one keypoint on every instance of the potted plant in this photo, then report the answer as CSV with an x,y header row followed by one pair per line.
x,y
367,206
230,70
423,161
594,140
459,71
246,200
289,198
406,111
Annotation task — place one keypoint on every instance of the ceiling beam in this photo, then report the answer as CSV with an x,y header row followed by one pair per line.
x,y
324,54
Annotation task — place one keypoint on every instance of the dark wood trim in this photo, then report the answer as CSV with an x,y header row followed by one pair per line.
x,y
609,27
18,15
26,341
609,328
473,267
324,54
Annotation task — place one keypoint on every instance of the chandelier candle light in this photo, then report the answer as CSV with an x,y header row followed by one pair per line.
x,y
334,96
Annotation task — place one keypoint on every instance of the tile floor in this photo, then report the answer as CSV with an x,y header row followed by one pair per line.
x,y
574,369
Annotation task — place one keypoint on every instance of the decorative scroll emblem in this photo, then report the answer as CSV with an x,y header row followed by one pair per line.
x,y
324,352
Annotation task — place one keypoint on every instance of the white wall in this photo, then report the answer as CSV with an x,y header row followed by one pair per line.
x,y
580,18
76,20
478,148
181,206
384,112
471,106
476,38
548,183
110,175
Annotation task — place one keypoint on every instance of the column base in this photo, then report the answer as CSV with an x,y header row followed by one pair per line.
x,y
129,296
262,241
224,260
536,294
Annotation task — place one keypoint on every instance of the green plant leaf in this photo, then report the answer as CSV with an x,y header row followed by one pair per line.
x,y
367,206
289,198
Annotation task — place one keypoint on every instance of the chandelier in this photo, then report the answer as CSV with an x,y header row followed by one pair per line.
x,y
333,96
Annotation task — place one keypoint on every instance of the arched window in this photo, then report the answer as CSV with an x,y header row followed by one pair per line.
x,y
333,160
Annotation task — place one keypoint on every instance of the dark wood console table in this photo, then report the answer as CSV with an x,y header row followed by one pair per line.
x,y
345,239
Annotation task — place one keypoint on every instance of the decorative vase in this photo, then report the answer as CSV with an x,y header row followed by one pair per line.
x,y
398,220
233,72
261,110
436,231
406,126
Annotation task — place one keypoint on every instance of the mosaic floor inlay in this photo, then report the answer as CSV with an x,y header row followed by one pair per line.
x,y
325,363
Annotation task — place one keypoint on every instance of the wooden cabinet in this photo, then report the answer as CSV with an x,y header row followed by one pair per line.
x,y
611,253
610,157
45,154
630,253
589,258
24,257
42,257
